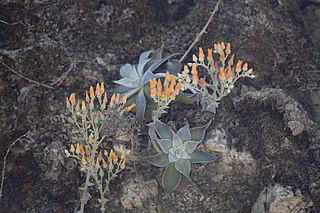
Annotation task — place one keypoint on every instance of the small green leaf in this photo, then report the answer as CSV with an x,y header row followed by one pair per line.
x,y
183,166
171,178
159,160
128,71
172,157
141,106
176,140
202,157
165,145
191,146
184,133
163,130
130,83
197,134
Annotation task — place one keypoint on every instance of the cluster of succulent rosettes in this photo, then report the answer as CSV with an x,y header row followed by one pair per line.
x,y
223,73
176,152
135,79
81,107
106,162
164,93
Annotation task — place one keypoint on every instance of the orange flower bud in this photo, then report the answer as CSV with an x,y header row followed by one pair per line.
x,y
117,98
245,67
222,56
78,106
72,148
238,66
100,156
83,106
98,90
73,98
230,62
91,92
78,148
222,73
113,97
102,87
173,80
228,49
68,102
83,160
129,108
159,88
123,163
209,54
87,97
124,99
122,152
194,58
201,54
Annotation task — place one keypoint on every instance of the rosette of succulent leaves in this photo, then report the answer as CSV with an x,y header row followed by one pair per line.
x,y
135,79
176,151
223,73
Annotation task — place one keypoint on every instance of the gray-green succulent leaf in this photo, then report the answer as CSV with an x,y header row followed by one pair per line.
x,y
183,166
135,78
159,160
177,151
202,157
171,178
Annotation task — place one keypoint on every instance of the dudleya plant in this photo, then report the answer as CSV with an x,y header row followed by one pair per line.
x,y
135,79
176,152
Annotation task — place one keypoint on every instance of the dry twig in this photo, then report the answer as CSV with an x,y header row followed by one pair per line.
x,y
201,32
26,135
22,76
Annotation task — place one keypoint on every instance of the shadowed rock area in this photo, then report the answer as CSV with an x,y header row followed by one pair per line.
x,y
266,131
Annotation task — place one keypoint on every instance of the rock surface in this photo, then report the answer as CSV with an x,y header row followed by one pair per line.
x,y
267,132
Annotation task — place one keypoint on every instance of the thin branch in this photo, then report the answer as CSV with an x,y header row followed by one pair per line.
x,y
60,80
22,76
201,32
5,158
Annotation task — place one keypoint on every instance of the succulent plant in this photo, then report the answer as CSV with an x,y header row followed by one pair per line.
x,y
135,79
176,151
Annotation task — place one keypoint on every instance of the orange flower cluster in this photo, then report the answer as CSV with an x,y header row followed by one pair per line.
x,y
99,94
194,79
223,72
84,154
166,92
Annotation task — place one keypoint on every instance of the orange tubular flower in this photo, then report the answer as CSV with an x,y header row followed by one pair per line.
x,y
201,54
113,97
73,98
87,97
123,164
159,88
122,152
68,102
102,87
209,54
152,88
228,49
91,92
117,101
222,73
83,106
194,74
72,148
238,66
222,56
129,108
98,90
